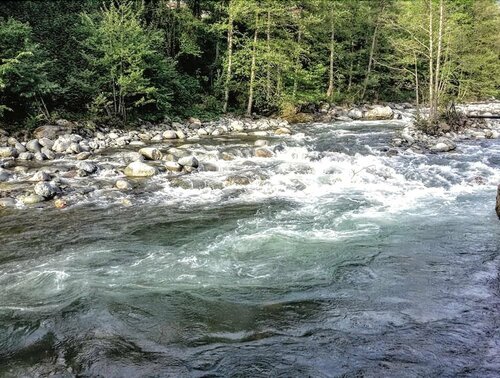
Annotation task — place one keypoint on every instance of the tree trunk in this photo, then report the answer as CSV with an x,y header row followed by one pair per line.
x,y
351,68
438,57
268,38
431,64
372,49
297,63
329,92
229,61
253,67
416,84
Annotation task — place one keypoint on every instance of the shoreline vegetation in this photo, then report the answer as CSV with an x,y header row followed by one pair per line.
x,y
126,62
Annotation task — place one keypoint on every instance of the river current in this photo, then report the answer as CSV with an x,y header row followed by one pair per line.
x,y
339,256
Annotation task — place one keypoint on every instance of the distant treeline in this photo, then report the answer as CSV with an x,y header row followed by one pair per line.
x,y
147,59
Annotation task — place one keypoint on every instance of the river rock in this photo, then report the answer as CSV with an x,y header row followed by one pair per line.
x,y
49,154
202,132
74,148
151,153
46,142
87,167
7,202
180,134
61,144
83,156
237,180
49,131
157,138
261,143
139,169
443,145
6,152
4,175
237,125
39,156
379,113
123,185
31,199
194,122
263,152
172,166
283,131
33,146
170,134
355,113
26,156
60,203
188,161
46,190
41,176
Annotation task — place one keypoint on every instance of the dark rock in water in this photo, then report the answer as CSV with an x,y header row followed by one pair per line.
x,y
497,207
46,190
279,148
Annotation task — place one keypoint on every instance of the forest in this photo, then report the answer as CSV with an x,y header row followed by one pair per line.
x,y
121,61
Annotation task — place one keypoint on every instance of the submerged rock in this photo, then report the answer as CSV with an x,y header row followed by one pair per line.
x,y
7,202
31,199
140,169
263,152
123,185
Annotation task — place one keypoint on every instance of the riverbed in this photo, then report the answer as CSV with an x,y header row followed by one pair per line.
x,y
338,256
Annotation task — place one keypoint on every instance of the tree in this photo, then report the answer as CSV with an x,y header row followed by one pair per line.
x,y
123,56
23,71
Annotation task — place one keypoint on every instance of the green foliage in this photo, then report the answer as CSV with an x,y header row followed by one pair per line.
x,y
130,59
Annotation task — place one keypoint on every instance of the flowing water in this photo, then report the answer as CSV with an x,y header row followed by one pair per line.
x,y
336,257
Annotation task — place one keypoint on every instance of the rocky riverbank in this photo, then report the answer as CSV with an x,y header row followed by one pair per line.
x,y
476,129
62,163
69,163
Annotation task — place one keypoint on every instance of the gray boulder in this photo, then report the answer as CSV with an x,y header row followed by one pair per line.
x,y
6,152
46,190
151,153
139,169
188,161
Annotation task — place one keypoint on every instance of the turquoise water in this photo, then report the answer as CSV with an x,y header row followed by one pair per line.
x,y
338,259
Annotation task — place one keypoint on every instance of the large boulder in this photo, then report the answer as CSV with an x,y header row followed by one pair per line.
x,y
139,169
188,161
170,134
379,113
50,131
151,153
34,146
443,145
355,113
46,190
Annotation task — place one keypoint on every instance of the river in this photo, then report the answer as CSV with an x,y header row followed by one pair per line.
x,y
338,256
